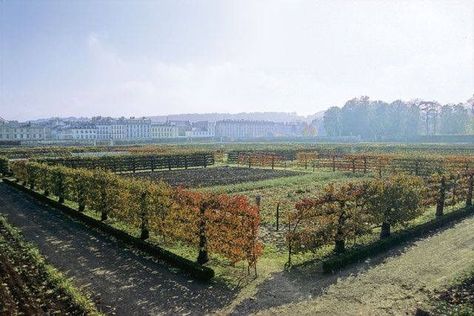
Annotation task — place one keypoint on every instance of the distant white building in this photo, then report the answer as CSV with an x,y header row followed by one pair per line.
x,y
111,129
202,129
84,132
138,128
163,130
241,129
12,130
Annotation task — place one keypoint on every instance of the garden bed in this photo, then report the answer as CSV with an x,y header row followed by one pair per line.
x,y
30,286
204,177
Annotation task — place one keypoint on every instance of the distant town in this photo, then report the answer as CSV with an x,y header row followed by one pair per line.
x,y
359,119
147,129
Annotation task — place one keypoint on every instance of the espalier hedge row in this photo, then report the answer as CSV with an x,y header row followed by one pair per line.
x,y
345,211
126,163
392,163
219,224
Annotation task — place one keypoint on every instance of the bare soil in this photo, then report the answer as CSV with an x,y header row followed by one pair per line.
x,y
204,177
25,286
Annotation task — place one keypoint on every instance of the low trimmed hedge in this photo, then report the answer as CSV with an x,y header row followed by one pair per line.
x,y
194,269
361,253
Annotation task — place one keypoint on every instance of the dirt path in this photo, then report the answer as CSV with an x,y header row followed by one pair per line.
x,y
120,280
395,284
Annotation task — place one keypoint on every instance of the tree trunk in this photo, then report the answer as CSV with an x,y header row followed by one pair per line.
x,y
278,216
203,256
441,198
469,191
340,246
144,217
385,232
103,216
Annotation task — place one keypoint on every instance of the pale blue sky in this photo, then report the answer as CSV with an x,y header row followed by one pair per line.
x,y
85,58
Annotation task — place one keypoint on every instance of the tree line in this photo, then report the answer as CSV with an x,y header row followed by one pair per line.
x,y
379,120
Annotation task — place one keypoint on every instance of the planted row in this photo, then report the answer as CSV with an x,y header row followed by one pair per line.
x,y
343,212
261,160
218,224
391,163
126,163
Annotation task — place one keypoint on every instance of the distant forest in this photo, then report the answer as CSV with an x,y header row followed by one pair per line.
x,y
378,120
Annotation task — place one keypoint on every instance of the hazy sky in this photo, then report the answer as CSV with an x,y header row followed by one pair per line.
x,y
85,58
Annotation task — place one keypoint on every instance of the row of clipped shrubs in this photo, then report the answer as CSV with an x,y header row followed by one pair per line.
x,y
219,224
197,270
135,162
346,211
358,254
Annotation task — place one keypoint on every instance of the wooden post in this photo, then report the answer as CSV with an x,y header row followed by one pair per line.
x,y
441,197
289,244
144,217
470,184
333,163
273,162
203,256
365,164
258,199
278,216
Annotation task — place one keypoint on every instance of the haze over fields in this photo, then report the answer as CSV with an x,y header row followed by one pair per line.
x,y
127,58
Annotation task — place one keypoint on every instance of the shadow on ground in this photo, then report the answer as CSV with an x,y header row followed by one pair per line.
x,y
307,282
120,281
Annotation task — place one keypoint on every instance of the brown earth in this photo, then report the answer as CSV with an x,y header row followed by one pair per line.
x,y
204,177
25,286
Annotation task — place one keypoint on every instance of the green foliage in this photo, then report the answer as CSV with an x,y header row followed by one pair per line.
x,y
395,200
347,211
231,222
359,254
378,120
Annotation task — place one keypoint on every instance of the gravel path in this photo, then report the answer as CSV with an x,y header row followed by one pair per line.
x,y
120,280
395,283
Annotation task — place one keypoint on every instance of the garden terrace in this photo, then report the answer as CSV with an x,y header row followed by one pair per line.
x,y
204,177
